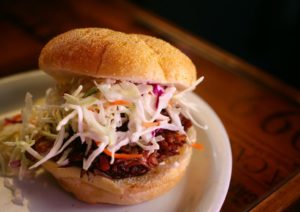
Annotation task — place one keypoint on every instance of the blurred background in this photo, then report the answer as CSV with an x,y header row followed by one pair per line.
x,y
265,33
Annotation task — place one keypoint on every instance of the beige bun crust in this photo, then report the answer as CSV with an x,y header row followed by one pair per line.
x,y
104,53
128,191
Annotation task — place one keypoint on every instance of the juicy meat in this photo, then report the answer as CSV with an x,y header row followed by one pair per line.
x,y
185,122
103,163
76,156
171,145
42,146
128,168
123,168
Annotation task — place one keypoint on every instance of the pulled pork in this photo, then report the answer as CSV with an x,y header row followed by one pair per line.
x,y
123,168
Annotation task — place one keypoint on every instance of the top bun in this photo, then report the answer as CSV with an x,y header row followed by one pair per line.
x,y
104,53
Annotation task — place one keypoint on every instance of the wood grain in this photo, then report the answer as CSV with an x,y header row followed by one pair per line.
x,y
283,198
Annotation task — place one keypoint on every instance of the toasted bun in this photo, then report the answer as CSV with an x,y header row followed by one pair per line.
x,y
98,189
104,53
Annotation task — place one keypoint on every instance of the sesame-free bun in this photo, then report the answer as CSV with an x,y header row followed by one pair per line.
x,y
92,188
104,53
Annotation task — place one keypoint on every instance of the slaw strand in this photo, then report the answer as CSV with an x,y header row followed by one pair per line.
x,y
191,88
97,115
122,155
90,92
197,146
57,144
120,102
150,124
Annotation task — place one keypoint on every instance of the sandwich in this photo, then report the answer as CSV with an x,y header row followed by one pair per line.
x,y
115,128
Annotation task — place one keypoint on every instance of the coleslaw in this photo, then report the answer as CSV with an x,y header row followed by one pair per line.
x,y
95,112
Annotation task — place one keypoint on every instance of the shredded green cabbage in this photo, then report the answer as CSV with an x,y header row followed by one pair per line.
x,y
94,114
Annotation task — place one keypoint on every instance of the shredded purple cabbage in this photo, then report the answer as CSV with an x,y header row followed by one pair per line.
x,y
158,90
15,164
155,132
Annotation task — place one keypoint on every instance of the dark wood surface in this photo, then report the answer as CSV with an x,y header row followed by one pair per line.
x,y
261,114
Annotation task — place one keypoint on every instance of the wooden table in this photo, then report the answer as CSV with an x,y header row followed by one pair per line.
x,y
261,114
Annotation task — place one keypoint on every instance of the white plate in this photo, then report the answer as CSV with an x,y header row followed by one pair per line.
x,y
203,188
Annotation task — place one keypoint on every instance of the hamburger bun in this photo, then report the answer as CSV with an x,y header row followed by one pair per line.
x,y
104,53
97,189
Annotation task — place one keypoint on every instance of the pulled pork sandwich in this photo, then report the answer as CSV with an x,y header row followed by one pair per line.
x,y
115,128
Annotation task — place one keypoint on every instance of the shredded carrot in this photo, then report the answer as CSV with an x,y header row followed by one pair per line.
x,y
120,102
197,146
123,156
150,124
97,143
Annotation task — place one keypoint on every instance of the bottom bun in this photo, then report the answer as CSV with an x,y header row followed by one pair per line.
x,y
98,189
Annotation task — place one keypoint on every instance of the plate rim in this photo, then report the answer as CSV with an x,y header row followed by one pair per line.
x,y
226,172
